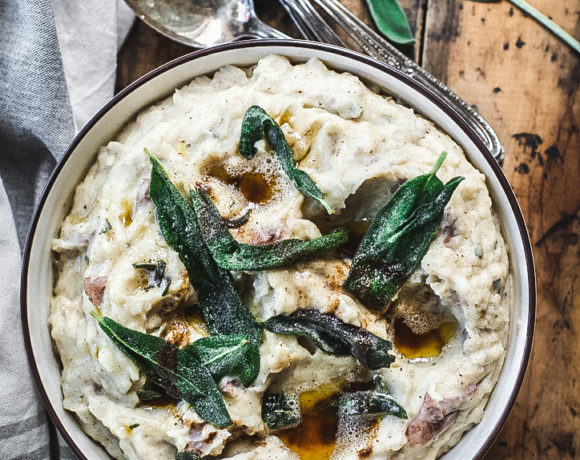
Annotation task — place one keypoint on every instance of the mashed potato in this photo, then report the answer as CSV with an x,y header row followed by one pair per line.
x,y
448,323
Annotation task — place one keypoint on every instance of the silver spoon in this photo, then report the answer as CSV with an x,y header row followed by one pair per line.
x,y
203,23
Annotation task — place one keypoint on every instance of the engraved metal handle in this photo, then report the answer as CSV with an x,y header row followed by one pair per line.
x,y
254,28
376,46
310,24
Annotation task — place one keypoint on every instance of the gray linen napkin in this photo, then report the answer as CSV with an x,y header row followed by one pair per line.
x,y
39,115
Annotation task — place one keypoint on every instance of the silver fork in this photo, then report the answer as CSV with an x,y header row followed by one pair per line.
x,y
312,26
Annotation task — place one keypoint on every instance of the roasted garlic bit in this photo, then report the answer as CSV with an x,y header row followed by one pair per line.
x,y
195,320
177,332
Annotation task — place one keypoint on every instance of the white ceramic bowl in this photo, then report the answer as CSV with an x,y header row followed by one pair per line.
x,y
37,264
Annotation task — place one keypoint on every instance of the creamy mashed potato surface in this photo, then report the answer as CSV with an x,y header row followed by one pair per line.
x,y
448,323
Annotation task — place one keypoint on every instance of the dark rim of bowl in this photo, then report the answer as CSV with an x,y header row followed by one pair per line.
x,y
319,47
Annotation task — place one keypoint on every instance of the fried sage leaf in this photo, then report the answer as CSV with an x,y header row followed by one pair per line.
x,y
373,402
370,403
231,255
334,336
222,307
391,20
280,411
179,373
257,122
226,355
398,238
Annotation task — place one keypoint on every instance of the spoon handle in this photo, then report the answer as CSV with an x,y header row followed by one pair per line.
x,y
259,29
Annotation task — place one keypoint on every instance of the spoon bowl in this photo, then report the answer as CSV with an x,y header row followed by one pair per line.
x,y
203,23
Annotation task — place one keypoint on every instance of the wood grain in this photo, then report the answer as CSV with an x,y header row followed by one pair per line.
x,y
525,83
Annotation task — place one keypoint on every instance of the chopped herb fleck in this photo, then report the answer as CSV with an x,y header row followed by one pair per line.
x,y
106,227
239,220
186,456
157,276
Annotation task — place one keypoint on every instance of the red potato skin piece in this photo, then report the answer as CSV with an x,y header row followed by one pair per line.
x,y
95,289
141,197
199,442
434,417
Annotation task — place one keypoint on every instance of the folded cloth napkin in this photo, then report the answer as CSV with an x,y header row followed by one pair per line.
x,y
57,67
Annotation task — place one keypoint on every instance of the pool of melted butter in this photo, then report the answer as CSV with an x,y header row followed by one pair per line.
x,y
427,345
255,187
316,436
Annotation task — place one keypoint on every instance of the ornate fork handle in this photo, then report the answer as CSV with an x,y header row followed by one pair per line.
x,y
376,46
310,24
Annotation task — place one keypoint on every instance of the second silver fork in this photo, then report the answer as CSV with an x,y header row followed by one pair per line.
x,y
310,24
313,27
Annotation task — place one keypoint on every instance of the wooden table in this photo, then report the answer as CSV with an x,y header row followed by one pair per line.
x,y
525,82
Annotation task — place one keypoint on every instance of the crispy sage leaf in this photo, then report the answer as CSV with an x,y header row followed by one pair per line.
x,y
179,373
149,391
334,336
373,402
226,355
398,238
257,122
222,307
280,411
231,255
106,227
391,20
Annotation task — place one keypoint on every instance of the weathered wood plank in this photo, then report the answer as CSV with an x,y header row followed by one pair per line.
x,y
416,11
143,51
525,83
